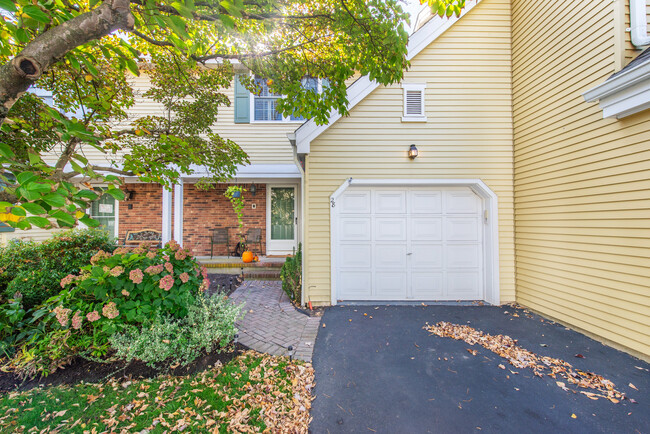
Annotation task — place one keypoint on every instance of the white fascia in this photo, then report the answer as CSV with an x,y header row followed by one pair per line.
x,y
361,88
623,95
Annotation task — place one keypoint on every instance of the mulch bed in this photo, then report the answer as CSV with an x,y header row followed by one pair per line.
x,y
82,370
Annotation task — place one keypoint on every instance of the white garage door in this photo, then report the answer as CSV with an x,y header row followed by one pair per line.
x,y
409,244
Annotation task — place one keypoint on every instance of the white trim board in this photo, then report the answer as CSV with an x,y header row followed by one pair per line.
x,y
624,94
492,293
361,88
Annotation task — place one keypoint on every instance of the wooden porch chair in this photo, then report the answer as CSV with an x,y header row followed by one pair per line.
x,y
254,236
219,237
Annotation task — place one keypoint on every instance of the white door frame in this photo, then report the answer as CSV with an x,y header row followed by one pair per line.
x,y
491,290
296,213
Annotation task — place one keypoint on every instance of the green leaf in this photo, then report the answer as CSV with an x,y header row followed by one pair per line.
x,y
21,34
36,13
64,218
4,206
132,67
6,151
183,10
20,212
34,208
8,5
25,177
54,200
89,222
37,187
178,26
40,222
116,193
86,194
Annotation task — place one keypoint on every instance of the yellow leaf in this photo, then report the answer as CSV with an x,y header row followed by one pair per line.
x,y
573,416
79,214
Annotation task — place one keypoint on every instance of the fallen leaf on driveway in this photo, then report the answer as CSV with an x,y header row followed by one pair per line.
x,y
562,386
573,416
521,358
633,386
472,352
580,356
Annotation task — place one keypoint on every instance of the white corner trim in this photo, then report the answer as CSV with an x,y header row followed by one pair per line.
x,y
361,88
491,221
178,213
166,215
623,95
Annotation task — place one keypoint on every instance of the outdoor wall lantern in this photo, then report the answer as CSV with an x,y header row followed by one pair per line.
x,y
253,189
413,152
128,194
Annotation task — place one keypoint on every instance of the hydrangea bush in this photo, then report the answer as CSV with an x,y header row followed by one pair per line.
x,y
114,292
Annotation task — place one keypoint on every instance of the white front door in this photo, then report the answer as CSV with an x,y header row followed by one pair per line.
x,y
409,244
281,221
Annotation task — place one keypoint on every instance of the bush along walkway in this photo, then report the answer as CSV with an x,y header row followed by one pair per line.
x,y
271,324
252,393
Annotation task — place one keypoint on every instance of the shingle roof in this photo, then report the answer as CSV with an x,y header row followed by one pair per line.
x,y
642,58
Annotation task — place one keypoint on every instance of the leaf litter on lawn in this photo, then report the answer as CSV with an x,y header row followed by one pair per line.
x,y
252,393
519,357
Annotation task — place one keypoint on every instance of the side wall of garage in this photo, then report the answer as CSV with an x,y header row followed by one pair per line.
x,y
582,182
468,134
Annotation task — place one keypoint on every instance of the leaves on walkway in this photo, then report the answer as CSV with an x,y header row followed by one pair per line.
x,y
519,357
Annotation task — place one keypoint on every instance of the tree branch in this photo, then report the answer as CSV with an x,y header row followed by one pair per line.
x,y
17,75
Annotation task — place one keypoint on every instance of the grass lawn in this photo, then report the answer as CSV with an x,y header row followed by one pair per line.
x,y
251,393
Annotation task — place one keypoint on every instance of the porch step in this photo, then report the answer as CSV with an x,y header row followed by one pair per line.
x,y
250,265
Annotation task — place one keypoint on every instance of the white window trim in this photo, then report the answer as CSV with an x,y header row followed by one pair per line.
x,y
117,214
420,87
285,119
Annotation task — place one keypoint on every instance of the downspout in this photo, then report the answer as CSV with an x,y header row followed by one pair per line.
x,y
296,160
639,23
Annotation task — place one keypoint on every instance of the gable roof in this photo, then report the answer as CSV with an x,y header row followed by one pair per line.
x,y
362,87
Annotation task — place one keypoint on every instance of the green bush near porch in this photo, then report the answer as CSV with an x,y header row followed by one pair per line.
x,y
291,275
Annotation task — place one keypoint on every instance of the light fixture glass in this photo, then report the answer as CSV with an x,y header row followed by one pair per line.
x,y
253,189
413,152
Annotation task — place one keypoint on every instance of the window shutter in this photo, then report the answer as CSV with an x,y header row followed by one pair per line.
x,y
242,102
414,103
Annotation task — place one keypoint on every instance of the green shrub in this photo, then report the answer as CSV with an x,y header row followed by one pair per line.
x,y
37,268
291,275
209,325
126,288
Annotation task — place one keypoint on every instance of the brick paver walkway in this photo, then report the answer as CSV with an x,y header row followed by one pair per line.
x,y
271,324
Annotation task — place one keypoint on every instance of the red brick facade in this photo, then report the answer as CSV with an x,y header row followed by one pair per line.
x,y
202,211
145,212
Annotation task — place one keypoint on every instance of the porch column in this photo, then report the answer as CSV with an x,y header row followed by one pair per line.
x,y
166,215
178,213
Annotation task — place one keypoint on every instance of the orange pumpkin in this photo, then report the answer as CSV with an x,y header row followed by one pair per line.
x,y
247,256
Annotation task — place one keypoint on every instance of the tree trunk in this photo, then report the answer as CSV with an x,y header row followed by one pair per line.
x,y
17,75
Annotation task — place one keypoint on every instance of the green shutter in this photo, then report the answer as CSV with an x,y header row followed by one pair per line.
x,y
242,102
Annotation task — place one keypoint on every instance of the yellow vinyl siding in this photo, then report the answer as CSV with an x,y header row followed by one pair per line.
x,y
582,183
468,135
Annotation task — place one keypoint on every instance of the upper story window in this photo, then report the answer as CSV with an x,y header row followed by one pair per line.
x,y
414,108
250,107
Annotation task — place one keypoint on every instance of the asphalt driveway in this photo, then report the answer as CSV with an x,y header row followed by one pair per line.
x,y
382,372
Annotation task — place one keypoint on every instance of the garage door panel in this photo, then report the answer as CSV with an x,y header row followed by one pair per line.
x,y
427,285
426,256
414,243
390,202
390,256
356,255
426,229
354,229
390,229
356,285
390,285
426,202
463,285
355,202
463,256
461,202
461,229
